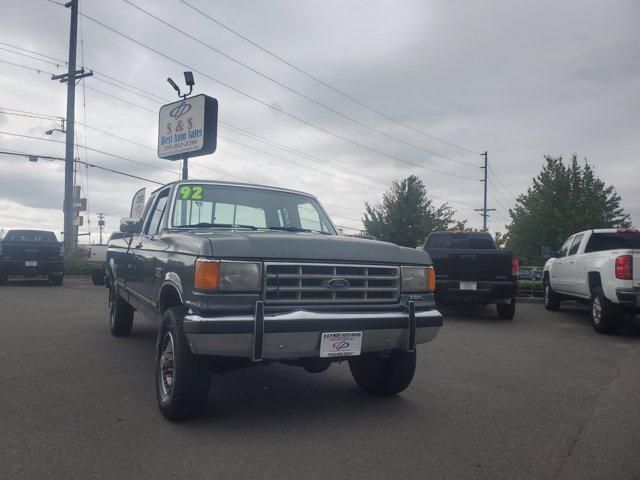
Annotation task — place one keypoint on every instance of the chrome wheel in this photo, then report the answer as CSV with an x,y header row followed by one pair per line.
x,y
547,294
112,307
596,310
167,364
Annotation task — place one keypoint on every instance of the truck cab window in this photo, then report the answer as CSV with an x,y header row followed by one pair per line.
x,y
157,213
575,245
564,250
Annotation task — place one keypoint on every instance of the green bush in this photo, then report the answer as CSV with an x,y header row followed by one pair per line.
x,y
77,264
525,288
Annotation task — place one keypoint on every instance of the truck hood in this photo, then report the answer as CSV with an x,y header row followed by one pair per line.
x,y
308,246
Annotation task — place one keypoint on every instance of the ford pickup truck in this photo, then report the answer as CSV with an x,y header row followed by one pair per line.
x,y
31,253
235,275
597,266
470,268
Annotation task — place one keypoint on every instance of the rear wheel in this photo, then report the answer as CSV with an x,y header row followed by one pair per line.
x,y
56,280
384,375
97,277
120,314
3,278
604,314
506,311
551,298
182,379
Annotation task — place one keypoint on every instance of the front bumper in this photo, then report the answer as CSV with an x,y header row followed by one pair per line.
x,y
43,267
487,291
297,334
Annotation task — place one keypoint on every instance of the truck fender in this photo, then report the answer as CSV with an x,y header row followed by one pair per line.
x,y
171,287
594,281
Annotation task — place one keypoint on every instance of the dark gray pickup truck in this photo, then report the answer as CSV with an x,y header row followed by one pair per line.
x,y
235,275
470,268
31,253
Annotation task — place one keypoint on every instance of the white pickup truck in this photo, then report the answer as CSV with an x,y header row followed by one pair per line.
x,y
597,266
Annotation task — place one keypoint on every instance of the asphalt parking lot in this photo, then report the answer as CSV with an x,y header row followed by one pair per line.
x,y
543,396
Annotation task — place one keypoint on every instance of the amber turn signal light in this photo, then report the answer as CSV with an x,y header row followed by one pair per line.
x,y
207,276
431,279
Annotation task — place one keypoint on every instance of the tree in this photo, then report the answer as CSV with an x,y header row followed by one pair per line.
x,y
406,215
501,239
563,199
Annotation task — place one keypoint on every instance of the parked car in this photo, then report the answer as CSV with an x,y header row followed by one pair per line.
x,y
470,268
525,273
234,275
598,266
31,253
97,259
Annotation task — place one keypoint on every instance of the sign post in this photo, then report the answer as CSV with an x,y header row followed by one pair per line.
x,y
188,128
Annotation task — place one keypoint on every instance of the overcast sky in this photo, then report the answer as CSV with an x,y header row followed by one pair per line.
x,y
518,79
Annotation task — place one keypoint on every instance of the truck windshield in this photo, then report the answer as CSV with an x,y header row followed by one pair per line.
x,y
30,236
613,241
209,205
461,241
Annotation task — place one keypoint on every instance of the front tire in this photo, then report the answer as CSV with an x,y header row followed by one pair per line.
x,y
604,314
120,314
384,375
551,298
4,278
182,380
56,280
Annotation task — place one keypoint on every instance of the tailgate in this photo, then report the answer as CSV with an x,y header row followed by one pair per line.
x,y
30,251
636,268
471,264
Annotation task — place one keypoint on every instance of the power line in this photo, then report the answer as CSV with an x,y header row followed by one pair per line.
x,y
241,130
36,115
274,107
39,70
25,115
296,92
47,157
88,148
57,65
316,79
500,181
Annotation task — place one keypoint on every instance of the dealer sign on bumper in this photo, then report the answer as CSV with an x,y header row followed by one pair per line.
x,y
340,344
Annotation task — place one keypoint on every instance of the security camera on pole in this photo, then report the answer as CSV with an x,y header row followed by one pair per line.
x,y
187,128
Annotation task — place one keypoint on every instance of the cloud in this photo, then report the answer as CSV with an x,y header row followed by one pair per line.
x,y
520,80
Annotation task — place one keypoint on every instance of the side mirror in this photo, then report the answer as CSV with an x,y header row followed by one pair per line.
x,y
129,225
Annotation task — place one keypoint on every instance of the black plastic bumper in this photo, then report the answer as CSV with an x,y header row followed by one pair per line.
x,y
629,297
43,267
486,292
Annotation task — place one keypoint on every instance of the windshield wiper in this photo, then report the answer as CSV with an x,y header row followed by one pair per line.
x,y
218,225
291,228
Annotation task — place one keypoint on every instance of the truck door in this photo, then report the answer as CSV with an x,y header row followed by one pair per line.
x,y
145,250
558,272
571,264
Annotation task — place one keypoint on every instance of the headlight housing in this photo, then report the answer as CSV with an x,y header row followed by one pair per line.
x,y
227,275
418,279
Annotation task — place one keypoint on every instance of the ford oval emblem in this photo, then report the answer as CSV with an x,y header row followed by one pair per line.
x,y
336,283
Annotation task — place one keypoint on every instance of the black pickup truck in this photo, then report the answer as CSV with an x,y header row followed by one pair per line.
x,y
470,268
234,275
31,253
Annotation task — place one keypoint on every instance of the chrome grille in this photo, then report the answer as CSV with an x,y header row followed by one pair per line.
x,y
303,283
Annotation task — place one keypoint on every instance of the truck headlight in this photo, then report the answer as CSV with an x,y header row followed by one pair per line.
x,y
227,275
418,279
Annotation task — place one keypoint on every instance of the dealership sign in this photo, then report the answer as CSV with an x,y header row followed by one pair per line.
x,y
188,128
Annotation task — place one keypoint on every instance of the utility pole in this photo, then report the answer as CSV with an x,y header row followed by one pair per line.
x,y
70,238
185,168
484,209
101,224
